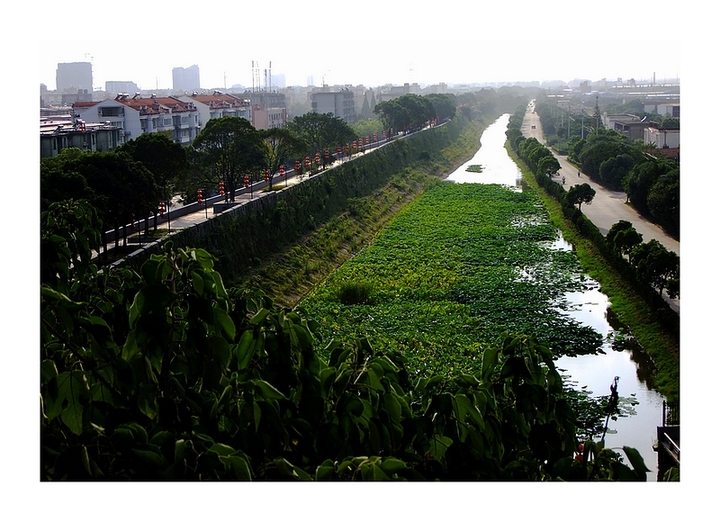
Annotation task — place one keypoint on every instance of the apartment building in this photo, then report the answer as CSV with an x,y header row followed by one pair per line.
x,y
218,105
339,103
137,115
62,132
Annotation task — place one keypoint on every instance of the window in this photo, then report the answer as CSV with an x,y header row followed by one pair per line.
x,y
111,112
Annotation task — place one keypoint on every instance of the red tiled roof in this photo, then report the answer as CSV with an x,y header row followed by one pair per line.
x,y
84,104
219,100
157,105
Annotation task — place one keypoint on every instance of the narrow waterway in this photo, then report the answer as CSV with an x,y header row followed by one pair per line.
x,y
593,373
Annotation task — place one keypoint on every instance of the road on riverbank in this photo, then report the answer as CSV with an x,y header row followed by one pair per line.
x,y
607,207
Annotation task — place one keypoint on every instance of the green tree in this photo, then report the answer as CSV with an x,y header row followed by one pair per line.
x,y
613,170
227,149
443,104
60,179
579,194
663,201
549,166
670,123
641,178
320,132
166,374
116,185
657,266
406,112
365,112
280,146
623,237
163,157
599,147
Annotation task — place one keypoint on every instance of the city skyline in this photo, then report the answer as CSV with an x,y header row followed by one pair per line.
x,y
223,64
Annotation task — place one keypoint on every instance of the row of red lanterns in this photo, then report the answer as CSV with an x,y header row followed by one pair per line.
x,y
221,185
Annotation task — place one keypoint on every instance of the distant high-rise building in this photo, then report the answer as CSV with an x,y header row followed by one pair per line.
x,y
277,81
74,76
340,104
186,78
116,87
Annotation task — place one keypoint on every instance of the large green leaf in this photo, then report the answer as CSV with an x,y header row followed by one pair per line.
x,y
240,467
489,360
638,463
224,321
267,390
245,349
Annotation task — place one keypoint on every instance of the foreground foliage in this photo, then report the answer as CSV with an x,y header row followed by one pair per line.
x,y
165,374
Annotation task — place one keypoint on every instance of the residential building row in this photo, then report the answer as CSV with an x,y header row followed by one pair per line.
x,y
636,128
181,117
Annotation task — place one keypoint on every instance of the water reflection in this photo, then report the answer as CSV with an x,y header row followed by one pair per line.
x,y
621,357
497,166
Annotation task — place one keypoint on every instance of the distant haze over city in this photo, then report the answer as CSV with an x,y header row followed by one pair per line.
x,y
225,64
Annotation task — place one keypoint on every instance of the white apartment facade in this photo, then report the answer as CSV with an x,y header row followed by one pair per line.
x,y
137,115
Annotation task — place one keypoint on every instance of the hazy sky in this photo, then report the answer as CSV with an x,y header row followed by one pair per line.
x,y
370,44
225,63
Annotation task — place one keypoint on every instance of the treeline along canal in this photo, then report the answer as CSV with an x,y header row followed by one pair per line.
x,y
470,260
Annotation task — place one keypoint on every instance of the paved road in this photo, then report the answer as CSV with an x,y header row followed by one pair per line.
x,y
607,207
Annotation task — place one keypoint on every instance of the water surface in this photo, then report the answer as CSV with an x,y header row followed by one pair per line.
x,y
594,373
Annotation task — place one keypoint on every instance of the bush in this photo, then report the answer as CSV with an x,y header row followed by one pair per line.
x,y
355,293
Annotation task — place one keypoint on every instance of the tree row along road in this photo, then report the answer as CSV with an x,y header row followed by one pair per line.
x,y
608,206
193,213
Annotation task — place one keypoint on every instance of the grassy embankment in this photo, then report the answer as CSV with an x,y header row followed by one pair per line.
x,y
292,273
629,309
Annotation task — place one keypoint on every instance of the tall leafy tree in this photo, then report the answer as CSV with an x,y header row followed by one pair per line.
x,y
166,159
613,170
280,146
320,131
663,201
601,146
60,179
227,149
657,266
579,194
623,237
640,179
365,112
444,105
118,186
407,112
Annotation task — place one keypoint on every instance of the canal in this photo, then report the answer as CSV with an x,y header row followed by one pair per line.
x,y
642,405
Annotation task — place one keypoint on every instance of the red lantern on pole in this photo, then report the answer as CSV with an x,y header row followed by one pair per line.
x,y
221,188
374,137
282,170
384,134
307,162
317,158
161,207
297,166
267,175
247,181
367,140
339,151
199,197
